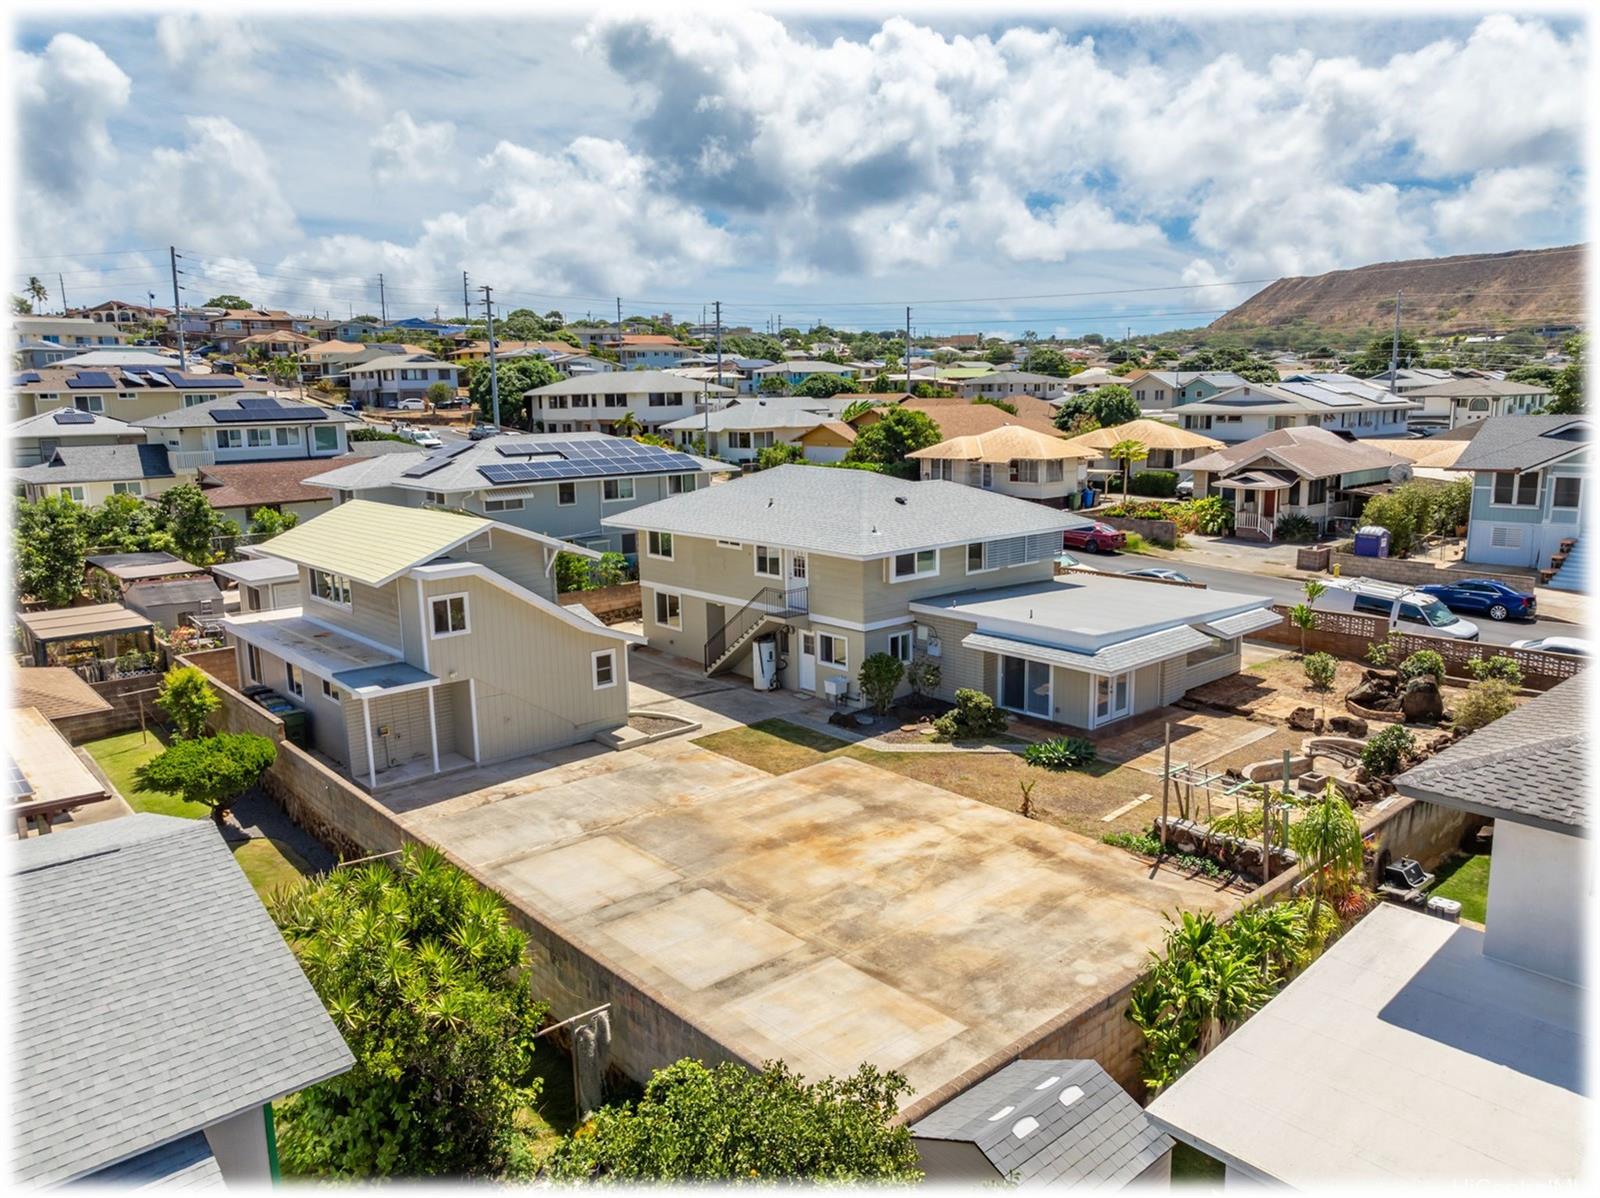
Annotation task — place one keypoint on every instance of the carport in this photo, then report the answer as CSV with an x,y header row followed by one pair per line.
x,y
101,631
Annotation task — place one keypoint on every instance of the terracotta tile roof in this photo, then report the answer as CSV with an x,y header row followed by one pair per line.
x,y
248,484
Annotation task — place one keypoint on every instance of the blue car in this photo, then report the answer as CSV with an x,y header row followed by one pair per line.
x,y
1480,596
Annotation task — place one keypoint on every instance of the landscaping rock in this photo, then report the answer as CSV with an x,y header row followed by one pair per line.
x,y
1422,702
1347,725
1304,719
1375,692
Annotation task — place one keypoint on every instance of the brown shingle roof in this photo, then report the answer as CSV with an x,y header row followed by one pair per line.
x,y
962,419
249,484
1310,452
56,692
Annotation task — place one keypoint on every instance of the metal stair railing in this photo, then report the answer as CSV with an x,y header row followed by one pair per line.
x,y
767,603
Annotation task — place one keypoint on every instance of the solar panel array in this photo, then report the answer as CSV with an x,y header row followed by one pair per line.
x,y
264,410
597,458
437,460
18,788
73,416
90,378
27,376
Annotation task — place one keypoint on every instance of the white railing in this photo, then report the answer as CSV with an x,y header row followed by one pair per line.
x,y
191,459
1250,522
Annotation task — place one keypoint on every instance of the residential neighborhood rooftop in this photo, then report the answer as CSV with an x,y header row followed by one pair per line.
x,y
1523,442
247,409
628,382
70,464
1311,452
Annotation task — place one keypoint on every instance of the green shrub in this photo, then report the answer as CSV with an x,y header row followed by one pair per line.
x,y
1422,663
780,455
1212,517
1320,669
973,716
1386,751
187,698
1484,703
1161,483
1294,527
923,675
1498,666
880,676
1379,653
213,770
1064,754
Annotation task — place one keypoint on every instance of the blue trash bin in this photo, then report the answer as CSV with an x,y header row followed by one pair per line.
x,y
1372,541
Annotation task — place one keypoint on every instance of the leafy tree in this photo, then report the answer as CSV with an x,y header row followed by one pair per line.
x,y
573,573
1567,391
423,973
1107,406
213,771
1327,838
1127,451
1541,375
1452,507
772,385
21,305
994,401
193,525
125,524
826,386
439,393
1386,750
1320,668
186,696
999,354
886,442
728,1124
1049,361
880,677
1406,511
235,302
1374,359
517,376
268,522
780,455
611,570
284,370
48,544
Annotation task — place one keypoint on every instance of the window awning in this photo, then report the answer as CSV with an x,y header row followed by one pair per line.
x,y
1114,659
1243,623
368,681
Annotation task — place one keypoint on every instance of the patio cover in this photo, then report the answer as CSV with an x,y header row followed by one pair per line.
x,y
131,567
55,779
75,623
1115,659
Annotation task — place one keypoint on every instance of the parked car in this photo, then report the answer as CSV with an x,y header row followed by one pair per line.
x,y
1160,572
349,409
482,432
1572,646
1481,596
1395,603
222,367
1095,537
1067,562
412,405
426,439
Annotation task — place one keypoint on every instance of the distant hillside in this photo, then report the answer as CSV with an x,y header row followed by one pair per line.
x,y
1441,295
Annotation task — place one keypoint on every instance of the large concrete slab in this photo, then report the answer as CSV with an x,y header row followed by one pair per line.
x,y
828,916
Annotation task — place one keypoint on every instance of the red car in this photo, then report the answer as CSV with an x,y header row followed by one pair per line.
x,y
1095,537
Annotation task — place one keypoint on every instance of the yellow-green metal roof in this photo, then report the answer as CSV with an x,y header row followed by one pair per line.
x,y
374,542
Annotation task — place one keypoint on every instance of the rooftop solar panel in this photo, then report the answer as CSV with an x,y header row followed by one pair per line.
x,y
91,378
73,416
27,376
18,788
277,415
437,460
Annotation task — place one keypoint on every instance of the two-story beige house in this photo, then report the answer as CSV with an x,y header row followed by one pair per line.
x,y
1012,460
794,576
429,640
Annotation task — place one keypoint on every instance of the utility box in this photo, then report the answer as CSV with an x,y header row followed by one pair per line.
x,y
1372,541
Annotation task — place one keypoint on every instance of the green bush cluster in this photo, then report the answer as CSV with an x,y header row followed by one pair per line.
x,y
1295,528
1065,753
1161,483
1386,750
1498,666
1485,702
1424,663
1147,845
1320,668
973,716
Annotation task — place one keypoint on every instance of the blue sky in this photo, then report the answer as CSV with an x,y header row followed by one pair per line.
x,y
988,171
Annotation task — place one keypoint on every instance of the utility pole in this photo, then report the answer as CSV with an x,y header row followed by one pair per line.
x,y
494,378
1394,349
619,320
466,303
908,351
383,305
61,290
177,308
718,306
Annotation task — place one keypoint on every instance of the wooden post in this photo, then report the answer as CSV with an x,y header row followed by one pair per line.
x,y
144,737
1166,779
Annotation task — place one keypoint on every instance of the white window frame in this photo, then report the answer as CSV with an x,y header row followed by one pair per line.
x,y
1555,485
317,439
825,641
774,558
258,438
252,662
983,556
90,403
682,484
616,485
435,497
433,618
610,656
127,488
654,541
503,505
76,492
331,692
901,646
573,491
1518,482
918,570
335,584
229,438
295,679
286,435
663,599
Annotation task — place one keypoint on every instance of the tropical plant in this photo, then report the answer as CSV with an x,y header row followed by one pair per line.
x,y
1424,663
1321,668
48,544
125,524
268,522
1064,753
1387,749
187,698
1161,484
826,386
36,291
1212,516
923,675
879,677
611,570
514,378
1379,653
855,408
1498,666
1127,452
573,573
1327,839
973,716
1314,589
193,524
627,425
1485,702
729,1124
424,975
1303,617
781,454
1452,507
213,771
1294,527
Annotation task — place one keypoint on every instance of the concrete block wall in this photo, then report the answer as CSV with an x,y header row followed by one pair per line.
x,y
1415,573
126,696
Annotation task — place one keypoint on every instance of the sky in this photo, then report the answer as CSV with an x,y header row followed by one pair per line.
x,y
1060,173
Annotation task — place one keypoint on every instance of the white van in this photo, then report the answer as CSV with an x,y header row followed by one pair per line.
x,y
1405,609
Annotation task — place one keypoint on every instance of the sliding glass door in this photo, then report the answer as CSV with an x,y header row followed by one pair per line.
x,y
1025,686
1113,697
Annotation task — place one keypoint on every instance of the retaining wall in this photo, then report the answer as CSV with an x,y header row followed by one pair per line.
x,y
611,604
126,696
1416,572
1157,532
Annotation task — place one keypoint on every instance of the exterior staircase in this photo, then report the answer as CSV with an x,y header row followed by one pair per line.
x,y
1568,568
767,608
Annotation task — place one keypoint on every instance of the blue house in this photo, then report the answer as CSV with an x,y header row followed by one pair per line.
x,y
1528,493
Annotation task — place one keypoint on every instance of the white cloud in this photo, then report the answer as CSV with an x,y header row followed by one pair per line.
x,y
1510,203
219,192
66,95
206,50
404,151
359,95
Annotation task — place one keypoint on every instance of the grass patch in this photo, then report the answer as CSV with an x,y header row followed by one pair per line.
x,y
776,746
119,756
1466,880
269,865
546,1122
1191,1167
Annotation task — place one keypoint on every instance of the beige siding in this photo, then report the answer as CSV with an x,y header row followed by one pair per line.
x,y
688,641
1071,693
1147,694
959,668
374,612
326,722
532,672
399,731
514,557
884,600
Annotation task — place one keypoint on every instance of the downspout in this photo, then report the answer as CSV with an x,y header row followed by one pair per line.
x,y
274,1171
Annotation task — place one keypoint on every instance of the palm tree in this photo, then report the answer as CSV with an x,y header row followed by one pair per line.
x,y
627,426
1127,452
1328,841
36,290
1304,618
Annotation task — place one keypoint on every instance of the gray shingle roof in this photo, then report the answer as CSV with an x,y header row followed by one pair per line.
x,y
778,412
199,415
1522,442
628,382
158,996
847,513
185,1164
1100,1136
99,464
1528,767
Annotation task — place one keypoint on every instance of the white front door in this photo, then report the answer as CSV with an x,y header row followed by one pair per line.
x,y
808,661
797,581
988,477
1113,697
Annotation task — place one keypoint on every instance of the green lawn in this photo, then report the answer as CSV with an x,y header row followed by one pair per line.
x,y
1191,1167
120,755
776,746
1466,879
269,864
